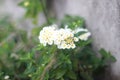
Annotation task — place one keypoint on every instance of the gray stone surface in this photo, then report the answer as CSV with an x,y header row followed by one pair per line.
x,y
102,19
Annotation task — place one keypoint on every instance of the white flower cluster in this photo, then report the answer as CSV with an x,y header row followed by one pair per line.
x,y
6,77
63,38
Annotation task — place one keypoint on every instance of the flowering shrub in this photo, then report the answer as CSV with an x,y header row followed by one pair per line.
x,y
63,38
65,53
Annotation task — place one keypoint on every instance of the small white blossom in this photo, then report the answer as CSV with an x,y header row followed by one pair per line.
x,y
43,64
85,36
46,35
80,30
6,77
61,35
76,39
64,39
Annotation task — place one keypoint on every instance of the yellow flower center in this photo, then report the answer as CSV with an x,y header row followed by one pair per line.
x,y
69,40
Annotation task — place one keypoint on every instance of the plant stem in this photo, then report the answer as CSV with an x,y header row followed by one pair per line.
x,y
2,64
44,11
50,64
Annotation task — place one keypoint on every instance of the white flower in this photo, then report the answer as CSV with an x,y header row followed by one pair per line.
x,y
46,35
76,39
64,45
80,30
61,34
6,77
43,65
64,39
85,36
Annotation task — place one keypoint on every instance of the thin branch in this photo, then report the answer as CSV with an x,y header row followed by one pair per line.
x,y
44,11
47,68
2,64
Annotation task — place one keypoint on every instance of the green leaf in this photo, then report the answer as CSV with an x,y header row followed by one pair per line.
x,y
83,43
71,75
72,21
59,73
103,53
33,7
106,57
86,76
80,33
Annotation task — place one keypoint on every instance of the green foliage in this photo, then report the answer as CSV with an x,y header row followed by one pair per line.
x,y
22,60
107,58
5,27
81,63
14,44
73,21
33,8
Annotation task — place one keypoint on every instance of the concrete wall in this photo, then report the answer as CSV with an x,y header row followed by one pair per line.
x,y
102,19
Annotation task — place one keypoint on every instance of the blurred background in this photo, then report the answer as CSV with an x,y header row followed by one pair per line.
x,y
17,36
